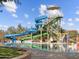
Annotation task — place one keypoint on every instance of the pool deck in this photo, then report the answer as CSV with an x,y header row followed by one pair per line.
x,y
44,54
39,54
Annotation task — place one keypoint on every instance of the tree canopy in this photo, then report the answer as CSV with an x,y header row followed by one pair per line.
x,y
15,30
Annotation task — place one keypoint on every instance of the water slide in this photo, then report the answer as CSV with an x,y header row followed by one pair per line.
x,y
39,22
34,37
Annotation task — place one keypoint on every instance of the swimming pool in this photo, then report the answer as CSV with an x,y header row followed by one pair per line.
x,y
45,47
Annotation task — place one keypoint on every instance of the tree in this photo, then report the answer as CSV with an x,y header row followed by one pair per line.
x,y
20,28
16,1
73,34
2,5
61,30
11,30
0,1
1,30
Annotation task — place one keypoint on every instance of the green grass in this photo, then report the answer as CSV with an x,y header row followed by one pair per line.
x,y
9,52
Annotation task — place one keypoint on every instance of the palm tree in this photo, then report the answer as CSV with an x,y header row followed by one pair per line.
x,y
16,1
0,1
2,5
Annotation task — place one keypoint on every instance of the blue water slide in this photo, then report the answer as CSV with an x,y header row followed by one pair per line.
x,y
39,22
13,36
40,18
29,31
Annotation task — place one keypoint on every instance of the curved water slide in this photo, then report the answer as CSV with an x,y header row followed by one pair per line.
x,y
40,24
39,21
34,37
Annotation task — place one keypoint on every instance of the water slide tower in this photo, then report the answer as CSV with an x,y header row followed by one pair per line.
x,y
55,15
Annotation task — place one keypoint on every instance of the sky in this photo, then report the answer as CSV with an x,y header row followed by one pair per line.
x,y
26,13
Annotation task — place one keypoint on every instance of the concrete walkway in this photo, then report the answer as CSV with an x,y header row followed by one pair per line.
x,y
38,54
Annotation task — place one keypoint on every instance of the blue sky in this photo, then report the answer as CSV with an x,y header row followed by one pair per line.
x,y
29,10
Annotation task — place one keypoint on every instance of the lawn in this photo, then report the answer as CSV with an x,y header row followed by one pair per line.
x,y
7,53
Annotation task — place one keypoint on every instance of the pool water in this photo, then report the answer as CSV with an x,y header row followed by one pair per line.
x,y
45,47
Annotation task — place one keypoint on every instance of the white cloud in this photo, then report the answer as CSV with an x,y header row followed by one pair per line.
x,y
14,15
76,19
77,12
19,21
70,24
33,9
28,23
3,27
42,9
10,6
77,7
70,19
26,16
62,23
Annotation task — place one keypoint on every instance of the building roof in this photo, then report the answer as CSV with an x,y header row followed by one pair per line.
x,y
71,31
52,7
